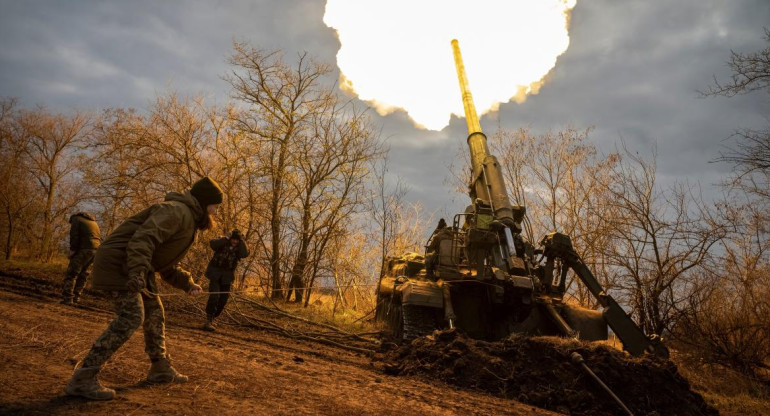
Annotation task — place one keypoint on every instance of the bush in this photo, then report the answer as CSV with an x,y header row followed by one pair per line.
x,y
730,325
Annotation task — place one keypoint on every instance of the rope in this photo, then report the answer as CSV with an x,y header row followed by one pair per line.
x,y
235,292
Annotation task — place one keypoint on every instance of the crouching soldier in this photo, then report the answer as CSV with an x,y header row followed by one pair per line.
x,y
154,240
85,238
221,273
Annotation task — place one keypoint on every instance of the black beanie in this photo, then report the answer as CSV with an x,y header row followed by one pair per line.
x,y
207,192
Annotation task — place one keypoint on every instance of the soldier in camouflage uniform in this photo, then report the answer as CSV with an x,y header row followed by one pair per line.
x,y
154,240
85,238
228,251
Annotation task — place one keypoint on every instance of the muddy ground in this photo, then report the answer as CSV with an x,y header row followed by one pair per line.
x,y
539,371
233,371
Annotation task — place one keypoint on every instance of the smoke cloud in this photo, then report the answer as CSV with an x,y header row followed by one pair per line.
x,y
397,54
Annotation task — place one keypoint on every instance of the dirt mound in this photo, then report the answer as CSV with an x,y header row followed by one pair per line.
x,y
538,371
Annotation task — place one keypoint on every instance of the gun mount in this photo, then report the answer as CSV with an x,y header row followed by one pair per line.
x,y
480,275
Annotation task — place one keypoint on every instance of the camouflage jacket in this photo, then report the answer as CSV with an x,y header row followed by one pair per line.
x,y
154,240
439,236
225,260
84,232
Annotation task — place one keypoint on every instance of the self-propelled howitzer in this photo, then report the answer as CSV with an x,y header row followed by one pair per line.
x,y
480,275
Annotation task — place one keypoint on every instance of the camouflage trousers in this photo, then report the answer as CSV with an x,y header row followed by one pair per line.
x,y
131,310
77,274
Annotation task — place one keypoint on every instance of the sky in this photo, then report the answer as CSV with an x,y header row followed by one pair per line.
x,y
632,71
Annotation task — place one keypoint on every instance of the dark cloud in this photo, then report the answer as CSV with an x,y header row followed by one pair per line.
x,y
100,54
632,70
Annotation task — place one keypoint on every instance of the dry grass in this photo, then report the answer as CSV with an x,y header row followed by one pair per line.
x,y
321,309
56,265
727,390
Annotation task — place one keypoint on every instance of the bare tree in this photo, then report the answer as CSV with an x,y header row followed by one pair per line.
x,y
751,152
349,270
282,101
116,173
175,141
53,141
233,159
384,206
17,194
751,72
661,240
410,228
727,322
332,167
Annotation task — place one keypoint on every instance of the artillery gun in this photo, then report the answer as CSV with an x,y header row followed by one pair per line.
x,y
480,275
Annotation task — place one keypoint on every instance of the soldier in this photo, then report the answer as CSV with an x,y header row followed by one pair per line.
x,y
440,234
85,238
221,273
154,240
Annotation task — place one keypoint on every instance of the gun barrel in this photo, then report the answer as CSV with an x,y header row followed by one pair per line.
x,y
487,182
477,141
471,117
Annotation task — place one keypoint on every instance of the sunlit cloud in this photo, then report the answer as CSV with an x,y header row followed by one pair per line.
x,y
397,54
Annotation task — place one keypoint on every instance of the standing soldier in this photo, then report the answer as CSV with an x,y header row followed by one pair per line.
x,y
154,240
440,234
85,238
221,273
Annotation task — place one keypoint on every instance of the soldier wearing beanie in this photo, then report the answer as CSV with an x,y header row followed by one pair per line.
x,y
228,251
125,266
207,193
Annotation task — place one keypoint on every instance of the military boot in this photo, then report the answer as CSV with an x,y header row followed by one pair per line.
x,y
209,325
161,371
78,290
66,301
85,383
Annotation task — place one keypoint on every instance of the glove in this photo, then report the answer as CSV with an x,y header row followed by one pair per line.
x,y
136,283
195,289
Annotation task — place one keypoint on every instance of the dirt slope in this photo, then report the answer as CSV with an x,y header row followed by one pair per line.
x,y
538,371
231,372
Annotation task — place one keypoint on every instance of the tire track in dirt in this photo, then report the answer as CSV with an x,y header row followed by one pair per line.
x,y
233,371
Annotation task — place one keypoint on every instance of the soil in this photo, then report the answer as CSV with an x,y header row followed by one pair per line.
x,y
538,371
239,370
232,371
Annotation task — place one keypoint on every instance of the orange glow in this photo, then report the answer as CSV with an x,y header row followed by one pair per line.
x,y
396,53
